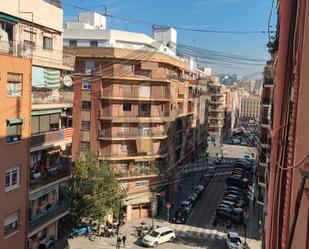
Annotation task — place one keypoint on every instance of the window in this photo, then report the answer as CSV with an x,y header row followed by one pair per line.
x,y
144,110
85,125
86,105
141,184
73,43
14,84
12,178
127,88
89,67
93,43
125,146
126,107
47,42
125,127
86,84
13,133
128,68
84,145
10,224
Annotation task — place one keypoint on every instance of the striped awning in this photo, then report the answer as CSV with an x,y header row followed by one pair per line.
x,y
52,78
9,18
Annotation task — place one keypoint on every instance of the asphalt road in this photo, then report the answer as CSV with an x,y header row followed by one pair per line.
x,y
203,213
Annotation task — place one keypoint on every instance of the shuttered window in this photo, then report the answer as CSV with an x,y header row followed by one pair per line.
x,y
35,124
44,123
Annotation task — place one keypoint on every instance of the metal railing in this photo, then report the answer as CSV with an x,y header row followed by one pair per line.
x,y
133,133
49,214
134,94
52,97
53,173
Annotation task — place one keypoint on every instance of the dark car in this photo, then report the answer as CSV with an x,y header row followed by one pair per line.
x,y
226,215
231,210
238,193
180,217
235,199
237,182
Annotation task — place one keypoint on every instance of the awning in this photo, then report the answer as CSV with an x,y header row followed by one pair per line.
x,y
14,121
45,112
52,78
43,192
9,18
144,145
181,89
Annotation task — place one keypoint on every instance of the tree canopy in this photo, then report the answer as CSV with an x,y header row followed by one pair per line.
x,y
93,189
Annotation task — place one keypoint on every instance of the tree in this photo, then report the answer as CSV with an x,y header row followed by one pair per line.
x,y
93,189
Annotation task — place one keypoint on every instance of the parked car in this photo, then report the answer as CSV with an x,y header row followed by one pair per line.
x,y
47,243
180,216
231,210
186,205
230,203
159,236
233,241
237,182
83,228
199,187
192,198
226,215
241,203
238,193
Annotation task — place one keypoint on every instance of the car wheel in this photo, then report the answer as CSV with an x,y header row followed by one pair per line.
x,y
172,239
155,244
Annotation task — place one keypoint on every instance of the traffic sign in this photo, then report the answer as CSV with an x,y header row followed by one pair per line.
x,y
168,205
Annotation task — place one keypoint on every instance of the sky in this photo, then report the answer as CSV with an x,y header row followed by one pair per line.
x,y
240,15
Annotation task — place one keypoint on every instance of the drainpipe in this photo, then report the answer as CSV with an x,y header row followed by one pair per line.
x,y
271,223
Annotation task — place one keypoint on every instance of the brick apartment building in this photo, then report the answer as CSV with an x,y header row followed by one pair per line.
x,y
136,105
35,120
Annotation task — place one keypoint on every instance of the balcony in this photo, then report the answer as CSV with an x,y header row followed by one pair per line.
x,y
51,137
133,171
135,95
132,134
268,81
28,49
55,172
55,212
137,156
142,117
266,101
59,98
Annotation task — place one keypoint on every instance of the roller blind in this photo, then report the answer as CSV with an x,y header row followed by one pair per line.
x,y
44,123
34,124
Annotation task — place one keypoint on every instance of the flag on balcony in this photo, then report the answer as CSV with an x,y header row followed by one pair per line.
x,y
67,133
52,78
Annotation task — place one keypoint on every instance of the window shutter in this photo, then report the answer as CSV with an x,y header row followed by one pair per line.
x,y
34,124
44,123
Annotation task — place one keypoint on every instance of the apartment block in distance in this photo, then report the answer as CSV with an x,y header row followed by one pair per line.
x,y
250,107
136,106
36,33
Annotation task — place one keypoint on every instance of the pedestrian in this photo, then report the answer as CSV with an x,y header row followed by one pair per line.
x,y
124,238
119,242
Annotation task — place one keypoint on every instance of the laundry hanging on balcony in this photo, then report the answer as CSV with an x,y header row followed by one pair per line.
x,y
52,78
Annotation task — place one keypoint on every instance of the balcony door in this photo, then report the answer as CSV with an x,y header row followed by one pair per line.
x,y
143,130
144,90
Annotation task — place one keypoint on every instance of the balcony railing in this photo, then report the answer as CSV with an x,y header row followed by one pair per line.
x,y
53,173
135,94
132,133
161,153
131,115
29,49
49,137
52,97
40,219
137,171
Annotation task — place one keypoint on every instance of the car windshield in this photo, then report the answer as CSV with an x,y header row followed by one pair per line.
x,y
235,240
154,234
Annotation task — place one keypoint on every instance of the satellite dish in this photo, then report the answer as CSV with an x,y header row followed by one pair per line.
x,y
67,81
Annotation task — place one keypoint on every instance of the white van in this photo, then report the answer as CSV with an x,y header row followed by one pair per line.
x,y
159,236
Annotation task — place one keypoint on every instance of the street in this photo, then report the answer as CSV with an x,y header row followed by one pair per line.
x,y
199,231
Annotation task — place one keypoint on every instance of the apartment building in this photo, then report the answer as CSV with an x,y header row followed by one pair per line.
x,y
15,88
250,107
136,106
36,33
217,108
265,142
287,178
